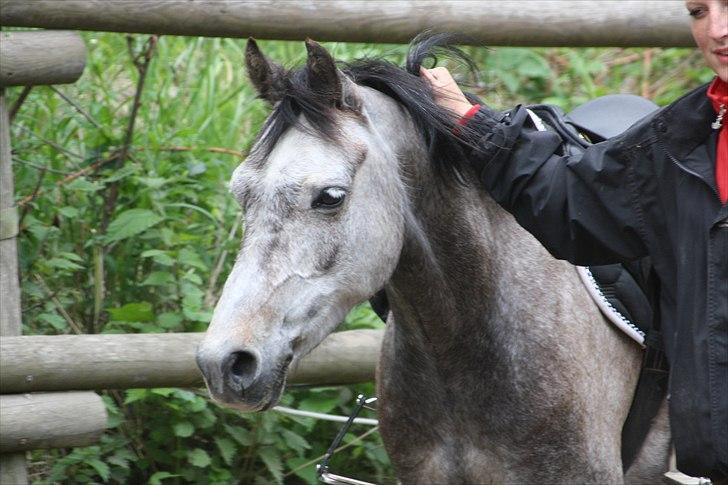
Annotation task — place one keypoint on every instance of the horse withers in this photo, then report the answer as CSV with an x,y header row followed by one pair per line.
x,y
496,365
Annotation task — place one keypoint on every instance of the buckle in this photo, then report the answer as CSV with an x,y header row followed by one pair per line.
x,y
322,469
655,360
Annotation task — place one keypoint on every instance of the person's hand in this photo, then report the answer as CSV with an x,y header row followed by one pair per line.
x,y
447,93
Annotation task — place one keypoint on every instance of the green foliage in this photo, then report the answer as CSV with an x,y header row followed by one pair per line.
x,y
148,260
130,223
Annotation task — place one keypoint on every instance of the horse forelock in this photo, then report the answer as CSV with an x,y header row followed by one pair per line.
x,y
304,109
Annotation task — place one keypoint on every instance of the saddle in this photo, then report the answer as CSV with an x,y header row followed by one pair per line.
x,y
627,294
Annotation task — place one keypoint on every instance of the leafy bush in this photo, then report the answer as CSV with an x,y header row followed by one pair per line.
x,y
139,238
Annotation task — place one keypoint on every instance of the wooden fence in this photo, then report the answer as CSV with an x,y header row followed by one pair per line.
x,y
648,23
37,420
127,361
41,364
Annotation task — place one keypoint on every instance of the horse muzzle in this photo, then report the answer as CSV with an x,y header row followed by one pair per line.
x,y
242,377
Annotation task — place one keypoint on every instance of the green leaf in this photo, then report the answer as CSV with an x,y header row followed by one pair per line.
x,y
196,168
188,396
272,459
191,258
227,449
101,468
71,256
120,461
133,395
183,430
130,223
62,263
307,474
204,419
54,320
199,458
241,435
157,478
132,312
319,403
69,212
163,391
114,415
295,441
120,174
158,256
192,277
169,320
153,182
158,278
84,185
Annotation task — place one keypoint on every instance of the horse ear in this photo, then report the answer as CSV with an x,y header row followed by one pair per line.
x,y
323,77
267,77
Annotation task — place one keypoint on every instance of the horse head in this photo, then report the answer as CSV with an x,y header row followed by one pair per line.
x,y
323,206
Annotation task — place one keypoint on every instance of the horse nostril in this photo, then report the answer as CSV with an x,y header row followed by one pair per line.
x,y
242,368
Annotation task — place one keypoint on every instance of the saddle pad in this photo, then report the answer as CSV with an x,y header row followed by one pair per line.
x,y
619,298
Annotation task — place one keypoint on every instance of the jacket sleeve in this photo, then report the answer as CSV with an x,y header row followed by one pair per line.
x,y
582,208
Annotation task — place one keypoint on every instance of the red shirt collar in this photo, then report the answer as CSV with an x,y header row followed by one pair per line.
x,y
718,93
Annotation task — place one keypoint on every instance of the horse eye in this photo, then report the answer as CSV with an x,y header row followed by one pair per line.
x,y
329,198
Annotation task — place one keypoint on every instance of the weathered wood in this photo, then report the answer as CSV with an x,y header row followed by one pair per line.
x,y
12,466
50,420
39,57
504,22
125,361
13,469
9,284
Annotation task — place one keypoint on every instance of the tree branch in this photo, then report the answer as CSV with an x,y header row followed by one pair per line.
x,y
78,108
226,151
142,67
71,177
19,102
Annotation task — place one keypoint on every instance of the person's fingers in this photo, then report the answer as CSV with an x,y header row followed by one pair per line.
x,y
428,74
440,73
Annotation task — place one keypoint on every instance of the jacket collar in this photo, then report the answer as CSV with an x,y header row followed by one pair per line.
x,y
685,124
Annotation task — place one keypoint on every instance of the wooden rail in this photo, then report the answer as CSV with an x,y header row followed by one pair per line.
x,y
50,420
37,57
125,361
649,23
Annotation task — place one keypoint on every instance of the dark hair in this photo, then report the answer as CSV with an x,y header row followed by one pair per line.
x,y
445,139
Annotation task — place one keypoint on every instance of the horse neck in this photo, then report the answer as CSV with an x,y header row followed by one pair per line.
x,y
455,237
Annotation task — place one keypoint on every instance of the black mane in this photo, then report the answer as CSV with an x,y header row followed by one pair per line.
x,y
444,138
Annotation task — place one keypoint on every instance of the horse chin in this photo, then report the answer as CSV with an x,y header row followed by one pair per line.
x,y
263,395
251,402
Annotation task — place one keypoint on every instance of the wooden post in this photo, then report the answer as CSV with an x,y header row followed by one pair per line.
x,y
26,58
125,361
12,467
621,23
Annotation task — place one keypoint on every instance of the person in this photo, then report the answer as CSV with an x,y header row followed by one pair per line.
x,y
658,190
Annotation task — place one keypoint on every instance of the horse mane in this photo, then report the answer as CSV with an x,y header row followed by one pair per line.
x,y
447,142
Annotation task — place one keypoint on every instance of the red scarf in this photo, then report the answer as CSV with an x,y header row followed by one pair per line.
x,y
718,95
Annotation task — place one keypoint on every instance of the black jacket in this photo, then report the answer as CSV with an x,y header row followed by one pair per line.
x,y
650,191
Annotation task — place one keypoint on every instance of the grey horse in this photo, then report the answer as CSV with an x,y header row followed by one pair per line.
x,y
496,366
